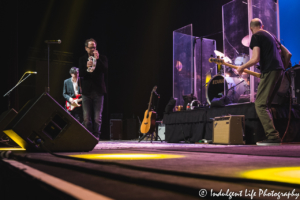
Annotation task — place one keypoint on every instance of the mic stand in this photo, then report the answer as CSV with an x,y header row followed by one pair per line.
x,y
8,93
48,88
157,104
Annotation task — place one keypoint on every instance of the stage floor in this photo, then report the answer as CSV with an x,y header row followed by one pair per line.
x,y
132,170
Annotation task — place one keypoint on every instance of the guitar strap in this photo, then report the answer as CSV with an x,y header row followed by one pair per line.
x,y
289,88
283,51
276,41
278,44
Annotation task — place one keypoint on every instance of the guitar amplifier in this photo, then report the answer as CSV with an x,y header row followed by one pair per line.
x,y
116,129
229,129
161,131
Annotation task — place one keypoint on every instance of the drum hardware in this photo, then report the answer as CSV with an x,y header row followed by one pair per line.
x,y
246,41
236,85
215,88
295,83
220,69
241,59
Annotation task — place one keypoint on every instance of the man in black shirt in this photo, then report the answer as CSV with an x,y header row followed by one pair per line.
x,y
265,51
92,67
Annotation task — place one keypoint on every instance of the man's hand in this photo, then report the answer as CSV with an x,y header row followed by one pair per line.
x,y
71,100
240,70
89,63
96,54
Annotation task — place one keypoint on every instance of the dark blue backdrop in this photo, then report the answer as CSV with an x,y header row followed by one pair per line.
x,y
290,27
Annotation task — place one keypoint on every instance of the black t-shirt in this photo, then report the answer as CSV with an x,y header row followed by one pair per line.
x,y
269,55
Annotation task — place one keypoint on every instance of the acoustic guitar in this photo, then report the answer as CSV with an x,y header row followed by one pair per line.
x,y
220,61
72,106
148,124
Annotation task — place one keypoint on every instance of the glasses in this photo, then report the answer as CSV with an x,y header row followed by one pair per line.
x,y
91,47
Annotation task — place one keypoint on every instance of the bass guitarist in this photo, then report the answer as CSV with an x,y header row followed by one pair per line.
x,y
72,94
266,52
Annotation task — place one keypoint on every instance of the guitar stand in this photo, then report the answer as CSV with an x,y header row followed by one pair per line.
x,y
148,135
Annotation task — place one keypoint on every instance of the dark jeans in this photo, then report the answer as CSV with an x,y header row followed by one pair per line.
x,y
77,114
268,86
93,104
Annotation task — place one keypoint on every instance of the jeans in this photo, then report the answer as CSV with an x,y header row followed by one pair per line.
x,y
93,104
77,114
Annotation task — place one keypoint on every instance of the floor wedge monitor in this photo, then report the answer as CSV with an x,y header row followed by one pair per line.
x,y
5,118
43,119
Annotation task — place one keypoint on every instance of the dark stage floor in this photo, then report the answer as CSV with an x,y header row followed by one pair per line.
x,y
132,170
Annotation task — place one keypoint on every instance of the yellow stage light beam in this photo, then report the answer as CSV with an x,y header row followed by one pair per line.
x,y
44,24
72,21
278,174
12,149
127,156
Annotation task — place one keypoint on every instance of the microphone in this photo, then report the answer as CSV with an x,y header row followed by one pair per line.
x,y
53,41
30,72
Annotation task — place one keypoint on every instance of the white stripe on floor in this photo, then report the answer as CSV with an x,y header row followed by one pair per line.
x,y
69,188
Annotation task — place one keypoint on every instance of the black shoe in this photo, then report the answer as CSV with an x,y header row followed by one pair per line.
x,y
269,142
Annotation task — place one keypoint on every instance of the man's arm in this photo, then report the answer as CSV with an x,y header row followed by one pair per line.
x,y
83,66
65,94
102,65
255,59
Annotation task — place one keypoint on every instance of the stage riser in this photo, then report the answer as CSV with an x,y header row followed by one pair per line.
x,y
197,124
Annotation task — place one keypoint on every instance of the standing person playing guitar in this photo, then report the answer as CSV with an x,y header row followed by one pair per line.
x,y
266,52
72,94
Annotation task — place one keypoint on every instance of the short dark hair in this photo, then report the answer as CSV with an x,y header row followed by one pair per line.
x,y
74,70
89,40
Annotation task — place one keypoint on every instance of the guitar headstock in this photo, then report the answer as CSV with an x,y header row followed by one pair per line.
x,y
154,89
219,61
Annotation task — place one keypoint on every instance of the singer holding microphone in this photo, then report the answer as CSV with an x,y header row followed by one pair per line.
x,y
93,67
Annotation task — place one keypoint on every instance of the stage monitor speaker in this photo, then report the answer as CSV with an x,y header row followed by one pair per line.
x,y
228,129
44,119
5,119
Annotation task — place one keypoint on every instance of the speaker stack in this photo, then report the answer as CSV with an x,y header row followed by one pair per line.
x,y
43,119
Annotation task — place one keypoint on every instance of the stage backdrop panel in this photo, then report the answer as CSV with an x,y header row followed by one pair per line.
x,y
190,64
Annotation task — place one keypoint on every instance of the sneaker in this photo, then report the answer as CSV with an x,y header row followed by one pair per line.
x,y
269,142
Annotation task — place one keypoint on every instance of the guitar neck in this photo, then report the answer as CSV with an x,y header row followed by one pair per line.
x,y
150,102
245,70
